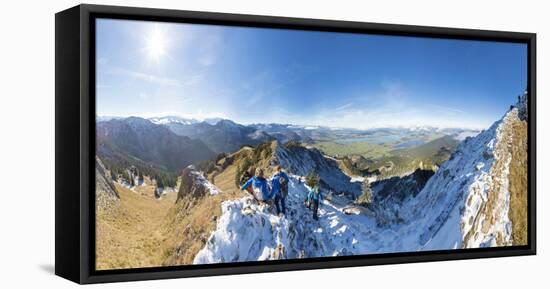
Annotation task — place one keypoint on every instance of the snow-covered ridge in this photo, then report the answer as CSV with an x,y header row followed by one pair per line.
x,y
301,161
172,119
465,204
247,231
200,179
468,197
167,120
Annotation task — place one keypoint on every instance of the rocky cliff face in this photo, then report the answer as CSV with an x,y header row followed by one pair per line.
x,y
390,195
194,185
106,195
470,202
301,160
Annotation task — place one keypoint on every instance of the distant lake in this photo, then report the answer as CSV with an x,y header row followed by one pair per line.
x,y
376,139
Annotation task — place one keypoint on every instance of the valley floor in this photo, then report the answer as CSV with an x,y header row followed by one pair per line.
x,y
131,236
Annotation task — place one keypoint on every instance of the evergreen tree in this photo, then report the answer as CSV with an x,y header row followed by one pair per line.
x,y
160,183
366,197
312,179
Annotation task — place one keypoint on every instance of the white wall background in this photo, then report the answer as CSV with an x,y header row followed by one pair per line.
x,y
27,143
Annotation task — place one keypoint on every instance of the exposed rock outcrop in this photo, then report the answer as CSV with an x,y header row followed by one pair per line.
x,y
301,160
107,197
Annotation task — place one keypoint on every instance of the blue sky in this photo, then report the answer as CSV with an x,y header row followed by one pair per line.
x,y
253,75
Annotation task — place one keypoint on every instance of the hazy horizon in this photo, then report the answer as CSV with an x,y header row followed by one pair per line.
x,y
306,125
308,78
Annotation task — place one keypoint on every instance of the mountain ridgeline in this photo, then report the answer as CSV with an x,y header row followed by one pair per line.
x,y
224,136
421,190
138,140
171,143
475,199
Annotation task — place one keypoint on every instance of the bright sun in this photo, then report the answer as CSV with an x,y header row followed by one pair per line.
x,y
156,43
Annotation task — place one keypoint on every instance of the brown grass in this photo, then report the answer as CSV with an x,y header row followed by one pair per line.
x,y
130,236
513,142
518,184
194,220
145,232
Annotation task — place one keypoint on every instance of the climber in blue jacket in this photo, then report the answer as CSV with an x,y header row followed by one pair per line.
x,y
258,186
313,199
279,189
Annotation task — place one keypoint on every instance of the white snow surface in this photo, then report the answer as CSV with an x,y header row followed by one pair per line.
x,y
302,161
440,217
203,181
172,119
247,231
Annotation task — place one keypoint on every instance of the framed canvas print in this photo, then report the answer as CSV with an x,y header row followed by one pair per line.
x,y
194,144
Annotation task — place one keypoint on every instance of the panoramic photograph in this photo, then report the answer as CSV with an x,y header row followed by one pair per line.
x,y
225,144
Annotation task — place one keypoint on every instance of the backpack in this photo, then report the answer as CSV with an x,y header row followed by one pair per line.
x,y
258,193
283,187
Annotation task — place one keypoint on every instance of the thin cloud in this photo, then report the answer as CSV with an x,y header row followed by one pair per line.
x,y
153,79
392,106
199,115
345,106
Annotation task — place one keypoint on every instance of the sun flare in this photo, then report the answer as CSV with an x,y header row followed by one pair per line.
x,y
156,43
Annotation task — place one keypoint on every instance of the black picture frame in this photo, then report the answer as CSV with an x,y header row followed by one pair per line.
x,y
75,142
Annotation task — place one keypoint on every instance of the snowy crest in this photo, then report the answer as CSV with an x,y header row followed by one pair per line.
x,y
465,204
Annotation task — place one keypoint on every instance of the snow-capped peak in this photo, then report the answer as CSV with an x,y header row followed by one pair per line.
x,y
172,119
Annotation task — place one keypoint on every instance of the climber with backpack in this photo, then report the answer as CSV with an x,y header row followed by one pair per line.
x,y
279,189
313,199
258,187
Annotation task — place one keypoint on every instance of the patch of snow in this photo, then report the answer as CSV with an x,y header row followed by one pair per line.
x,y
165,120
206,183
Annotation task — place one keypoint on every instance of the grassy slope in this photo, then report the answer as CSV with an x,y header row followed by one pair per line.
x,y
192,221
190,224
145,232
518,184
131,236
365,149
426,156
429,149
513,141
393,162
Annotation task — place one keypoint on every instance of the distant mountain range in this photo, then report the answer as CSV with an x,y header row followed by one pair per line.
x,y
140,139
173,142
221,135
171,119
